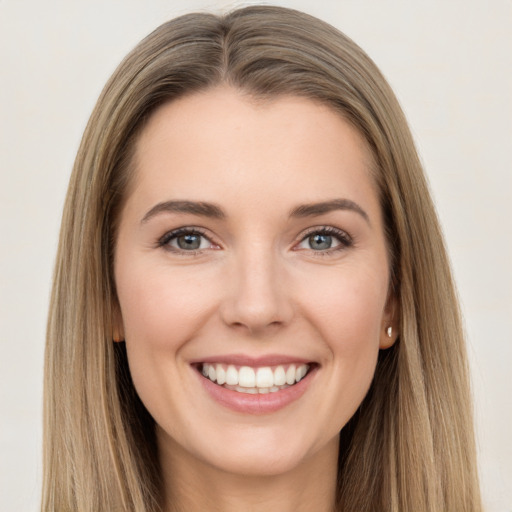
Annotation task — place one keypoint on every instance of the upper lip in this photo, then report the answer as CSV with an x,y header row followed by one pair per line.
x,y
245,360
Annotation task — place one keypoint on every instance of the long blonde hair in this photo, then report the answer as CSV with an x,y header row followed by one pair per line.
x,y
410,446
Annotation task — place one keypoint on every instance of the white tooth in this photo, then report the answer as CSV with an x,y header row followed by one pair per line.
x,y
205,369
212,374
263,391
273,389
301,371
246,377
290,375
231,376
221,374
279,376
264,377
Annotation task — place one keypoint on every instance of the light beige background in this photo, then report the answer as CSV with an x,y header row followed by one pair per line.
x,y
450,64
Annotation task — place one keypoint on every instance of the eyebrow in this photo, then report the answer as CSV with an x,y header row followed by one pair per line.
x,y
211,210
193,207
316,209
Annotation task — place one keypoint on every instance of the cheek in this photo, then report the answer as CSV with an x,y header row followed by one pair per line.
x,y
162,311
347,305
347,313
160,307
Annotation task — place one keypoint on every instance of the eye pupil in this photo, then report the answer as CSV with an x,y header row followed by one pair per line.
x,y
189,242
320,242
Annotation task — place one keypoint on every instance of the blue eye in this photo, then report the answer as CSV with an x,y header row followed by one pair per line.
x,y
325,239
320,242
185,240
190,242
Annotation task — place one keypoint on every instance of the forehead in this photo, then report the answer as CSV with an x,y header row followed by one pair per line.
x,y
219,142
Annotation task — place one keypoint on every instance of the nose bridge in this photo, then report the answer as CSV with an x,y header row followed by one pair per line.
x,y
257,298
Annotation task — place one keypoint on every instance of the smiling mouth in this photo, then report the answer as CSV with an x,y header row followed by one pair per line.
x,y
250,380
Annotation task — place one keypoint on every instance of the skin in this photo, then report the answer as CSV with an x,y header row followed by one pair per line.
x,y
255,287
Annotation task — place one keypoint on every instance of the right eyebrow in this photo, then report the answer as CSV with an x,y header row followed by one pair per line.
x,y
192,207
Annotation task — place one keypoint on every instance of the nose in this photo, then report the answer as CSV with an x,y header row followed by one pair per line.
x,y
257,298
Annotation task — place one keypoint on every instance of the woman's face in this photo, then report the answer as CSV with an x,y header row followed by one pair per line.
x,y
251,249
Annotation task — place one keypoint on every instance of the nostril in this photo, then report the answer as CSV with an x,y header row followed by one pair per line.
x,y
257,302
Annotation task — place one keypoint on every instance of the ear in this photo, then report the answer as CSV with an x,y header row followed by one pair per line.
x,y
390,323
117,324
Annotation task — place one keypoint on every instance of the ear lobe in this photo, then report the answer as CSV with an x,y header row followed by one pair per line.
x,y
117,325
388,337
117,335
389,327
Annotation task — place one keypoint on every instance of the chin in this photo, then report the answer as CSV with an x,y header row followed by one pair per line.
x,y
258,463
263,452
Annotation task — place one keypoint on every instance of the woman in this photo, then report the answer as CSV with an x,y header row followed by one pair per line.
x,y
252,305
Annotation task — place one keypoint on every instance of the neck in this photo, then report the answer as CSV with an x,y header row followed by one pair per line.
x,y
191,485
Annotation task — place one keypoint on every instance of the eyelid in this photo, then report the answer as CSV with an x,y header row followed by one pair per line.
x,y
163,241
345,240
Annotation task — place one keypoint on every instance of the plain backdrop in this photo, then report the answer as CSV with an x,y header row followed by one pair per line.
x,y
450,64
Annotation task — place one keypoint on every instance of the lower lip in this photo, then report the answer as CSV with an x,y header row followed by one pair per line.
x,y
258,403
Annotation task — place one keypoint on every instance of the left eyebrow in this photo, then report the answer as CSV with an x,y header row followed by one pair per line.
x,y
316,209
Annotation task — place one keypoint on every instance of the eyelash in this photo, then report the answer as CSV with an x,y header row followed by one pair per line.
x,y
164,241
345,241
